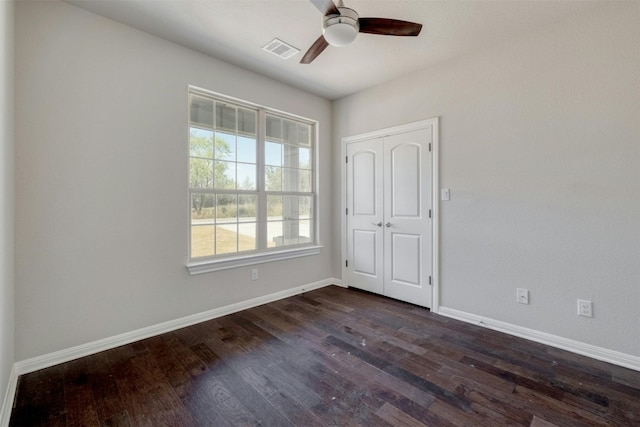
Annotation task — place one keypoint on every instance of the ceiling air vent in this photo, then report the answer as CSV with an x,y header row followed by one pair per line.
x,y
280,49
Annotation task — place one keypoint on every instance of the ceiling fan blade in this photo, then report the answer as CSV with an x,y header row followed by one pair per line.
x,y
316,49
389,27
327,7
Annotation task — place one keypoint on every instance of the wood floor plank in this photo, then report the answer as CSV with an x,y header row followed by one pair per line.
x,y
330,357
262,409
117,420
559,412
79,401
396,417
499,401
146,394
175,373
207,404
45,405
105,390
412,401
278,394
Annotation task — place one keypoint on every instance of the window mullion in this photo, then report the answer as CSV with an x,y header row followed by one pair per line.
x,y
262,195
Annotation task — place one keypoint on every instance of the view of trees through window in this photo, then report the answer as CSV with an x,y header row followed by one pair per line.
x,y
248,194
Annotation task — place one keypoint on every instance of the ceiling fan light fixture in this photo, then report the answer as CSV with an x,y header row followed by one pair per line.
x,y
341,25
341,30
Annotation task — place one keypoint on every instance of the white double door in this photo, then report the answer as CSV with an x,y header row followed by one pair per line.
x,y
389,224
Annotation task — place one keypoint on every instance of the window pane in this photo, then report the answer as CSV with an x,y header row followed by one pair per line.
x,y
225,117
304,134
247,208
304,160
225,146
291,232
304,181
290,132
305,232
201,111
202,208
274,234
290,207
225,175
305,207
289,179
273,153
274,127
247,236
246,176
226,208
290,156
247,122
200,173
246,149
202,241
200,143
274,207
273,178
227,238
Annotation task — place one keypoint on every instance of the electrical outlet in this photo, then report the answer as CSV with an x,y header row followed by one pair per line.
x,y
585,308
522,296
254,274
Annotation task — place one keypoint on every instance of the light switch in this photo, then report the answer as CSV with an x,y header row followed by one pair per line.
x,y
444,194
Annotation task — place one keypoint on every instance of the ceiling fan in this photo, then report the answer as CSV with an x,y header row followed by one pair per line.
x,y
341,25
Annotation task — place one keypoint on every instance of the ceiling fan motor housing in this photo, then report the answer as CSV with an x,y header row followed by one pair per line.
x,y
340,30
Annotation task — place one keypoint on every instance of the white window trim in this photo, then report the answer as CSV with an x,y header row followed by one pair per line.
x,y
269,255
244,261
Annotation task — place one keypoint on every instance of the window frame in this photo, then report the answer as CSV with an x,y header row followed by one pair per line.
x,y
262,254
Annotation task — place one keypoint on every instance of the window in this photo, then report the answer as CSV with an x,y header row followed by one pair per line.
x,y
251,183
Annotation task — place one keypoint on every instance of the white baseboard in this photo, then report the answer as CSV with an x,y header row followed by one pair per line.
x,y
595,352
7,403
51,359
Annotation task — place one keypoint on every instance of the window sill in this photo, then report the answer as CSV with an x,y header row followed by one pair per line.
x,y
243,261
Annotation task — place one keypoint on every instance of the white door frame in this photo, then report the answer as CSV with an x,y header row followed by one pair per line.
x,y
435,196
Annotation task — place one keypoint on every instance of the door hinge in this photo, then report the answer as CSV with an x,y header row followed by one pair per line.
x,y
346,159
429,146
347,211
429,213
346,263
429,279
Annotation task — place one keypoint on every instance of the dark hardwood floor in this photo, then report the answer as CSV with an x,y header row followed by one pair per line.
x,y
330,357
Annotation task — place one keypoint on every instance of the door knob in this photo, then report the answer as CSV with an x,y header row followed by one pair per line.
x,y
377,224
387,224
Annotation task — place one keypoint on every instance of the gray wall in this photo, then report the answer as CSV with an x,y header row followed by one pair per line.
x,y
540,146
6,196
101,178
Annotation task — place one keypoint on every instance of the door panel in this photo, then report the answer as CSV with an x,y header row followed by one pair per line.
x,y
365,211
405,254
364,190
407,200
364,252
405,185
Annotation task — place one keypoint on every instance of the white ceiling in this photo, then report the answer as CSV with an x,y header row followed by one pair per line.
x,y
235,31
